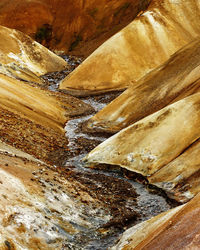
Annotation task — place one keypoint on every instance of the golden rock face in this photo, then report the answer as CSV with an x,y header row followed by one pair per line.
x,y
172,81
176,229
147,146
46,206
32,117
23,58
147,42
64,24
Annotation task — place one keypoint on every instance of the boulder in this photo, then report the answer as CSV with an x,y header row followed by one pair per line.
x,y
176,229
147,146
147,42
175,79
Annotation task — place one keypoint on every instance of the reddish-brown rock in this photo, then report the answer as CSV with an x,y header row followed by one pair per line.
x,y
177,229
62,24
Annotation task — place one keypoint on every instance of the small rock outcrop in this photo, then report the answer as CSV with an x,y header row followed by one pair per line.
x,y
23,58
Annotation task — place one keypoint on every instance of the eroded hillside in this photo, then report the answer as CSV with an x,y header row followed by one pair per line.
x,y
65,181
68,25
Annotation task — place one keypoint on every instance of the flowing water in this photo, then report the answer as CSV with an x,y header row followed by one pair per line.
x,y
121,200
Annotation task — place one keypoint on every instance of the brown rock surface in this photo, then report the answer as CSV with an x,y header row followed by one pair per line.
x,y
144,44
172,81
63,24
149,144
177,229
44,207
33,119
23,58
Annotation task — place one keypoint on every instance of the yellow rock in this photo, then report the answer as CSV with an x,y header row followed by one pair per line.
x,y
23,58
172,81
143,45
175,229
39,105
149,144
33,119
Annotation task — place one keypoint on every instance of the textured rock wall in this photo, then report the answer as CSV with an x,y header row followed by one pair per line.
x,y
62,24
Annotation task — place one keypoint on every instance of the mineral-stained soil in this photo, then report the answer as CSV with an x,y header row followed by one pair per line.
x,y
32,138
54,207
65,205
70,24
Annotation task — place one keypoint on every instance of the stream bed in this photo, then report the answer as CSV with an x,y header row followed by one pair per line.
x,y
120,199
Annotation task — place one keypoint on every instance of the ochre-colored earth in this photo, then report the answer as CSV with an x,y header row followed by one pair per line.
x,y
64,24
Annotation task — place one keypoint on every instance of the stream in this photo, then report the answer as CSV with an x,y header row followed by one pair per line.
x,y
122,199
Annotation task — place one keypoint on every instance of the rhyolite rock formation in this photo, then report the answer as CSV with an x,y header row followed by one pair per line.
x,y
144,44
23,58
147,146
48,203
176,229
33,119
42,204
180,177
65,24
175,79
